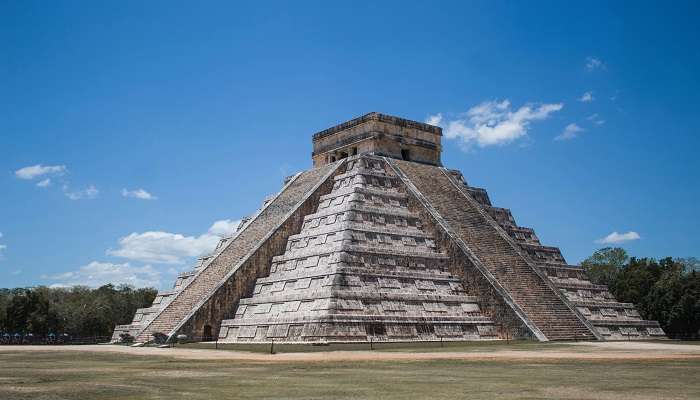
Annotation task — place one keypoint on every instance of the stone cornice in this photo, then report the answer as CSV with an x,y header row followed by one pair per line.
x,y
375,116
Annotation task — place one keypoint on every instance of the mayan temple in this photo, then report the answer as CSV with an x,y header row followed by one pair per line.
x,y
378,241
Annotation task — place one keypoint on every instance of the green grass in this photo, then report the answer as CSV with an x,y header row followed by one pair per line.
x,y
84,375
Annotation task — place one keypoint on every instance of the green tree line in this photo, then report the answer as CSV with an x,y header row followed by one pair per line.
x,y
78,311
666,290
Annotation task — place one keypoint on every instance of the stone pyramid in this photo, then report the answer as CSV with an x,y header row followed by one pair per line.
x,y
363,264
380,242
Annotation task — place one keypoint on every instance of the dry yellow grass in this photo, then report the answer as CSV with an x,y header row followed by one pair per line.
x,y
521,370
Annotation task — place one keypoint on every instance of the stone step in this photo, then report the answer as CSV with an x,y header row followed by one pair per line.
x,y
363,208
351,226
365,191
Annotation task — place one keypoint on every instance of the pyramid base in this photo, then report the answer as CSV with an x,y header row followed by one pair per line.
x,y
358,331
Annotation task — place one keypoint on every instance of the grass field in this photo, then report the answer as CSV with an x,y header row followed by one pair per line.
x,y
75,374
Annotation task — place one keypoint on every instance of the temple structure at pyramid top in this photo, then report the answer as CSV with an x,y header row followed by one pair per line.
x,y
381,135
380,242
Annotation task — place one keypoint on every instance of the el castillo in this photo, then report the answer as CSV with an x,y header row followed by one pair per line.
x,y
349,200
381,242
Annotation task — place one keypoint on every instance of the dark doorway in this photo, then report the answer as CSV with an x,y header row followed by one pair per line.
x,y
207,336
405,154
375,329
425,329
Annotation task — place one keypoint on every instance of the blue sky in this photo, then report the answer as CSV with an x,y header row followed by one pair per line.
x,y
205,108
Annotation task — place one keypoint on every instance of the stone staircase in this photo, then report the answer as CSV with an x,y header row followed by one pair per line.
x,y
143,316
610,319
229,255
528,288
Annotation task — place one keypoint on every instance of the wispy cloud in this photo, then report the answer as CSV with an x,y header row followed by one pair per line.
x,y
171,248
97,274
492,122
586,97
595,119
47,172
138,194
150,248
224,227
87,193
570,132
38,170
593,63
434,119
2,246
615,237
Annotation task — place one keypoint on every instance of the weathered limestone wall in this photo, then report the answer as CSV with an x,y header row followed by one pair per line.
x,y
222,303
362,268
530,294
611,319
491,302
231,252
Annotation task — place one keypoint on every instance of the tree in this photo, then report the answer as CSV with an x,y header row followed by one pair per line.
x,y
663,291
79,311
604,265
18,310
690,264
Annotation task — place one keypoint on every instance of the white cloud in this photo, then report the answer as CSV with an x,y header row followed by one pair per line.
x,y
493,123
224,227
40,170
616,237
586,97
97,274
595,119
89,192
593,63
434,119
570,132
138,194
2,246
45,183
163,247
171,248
